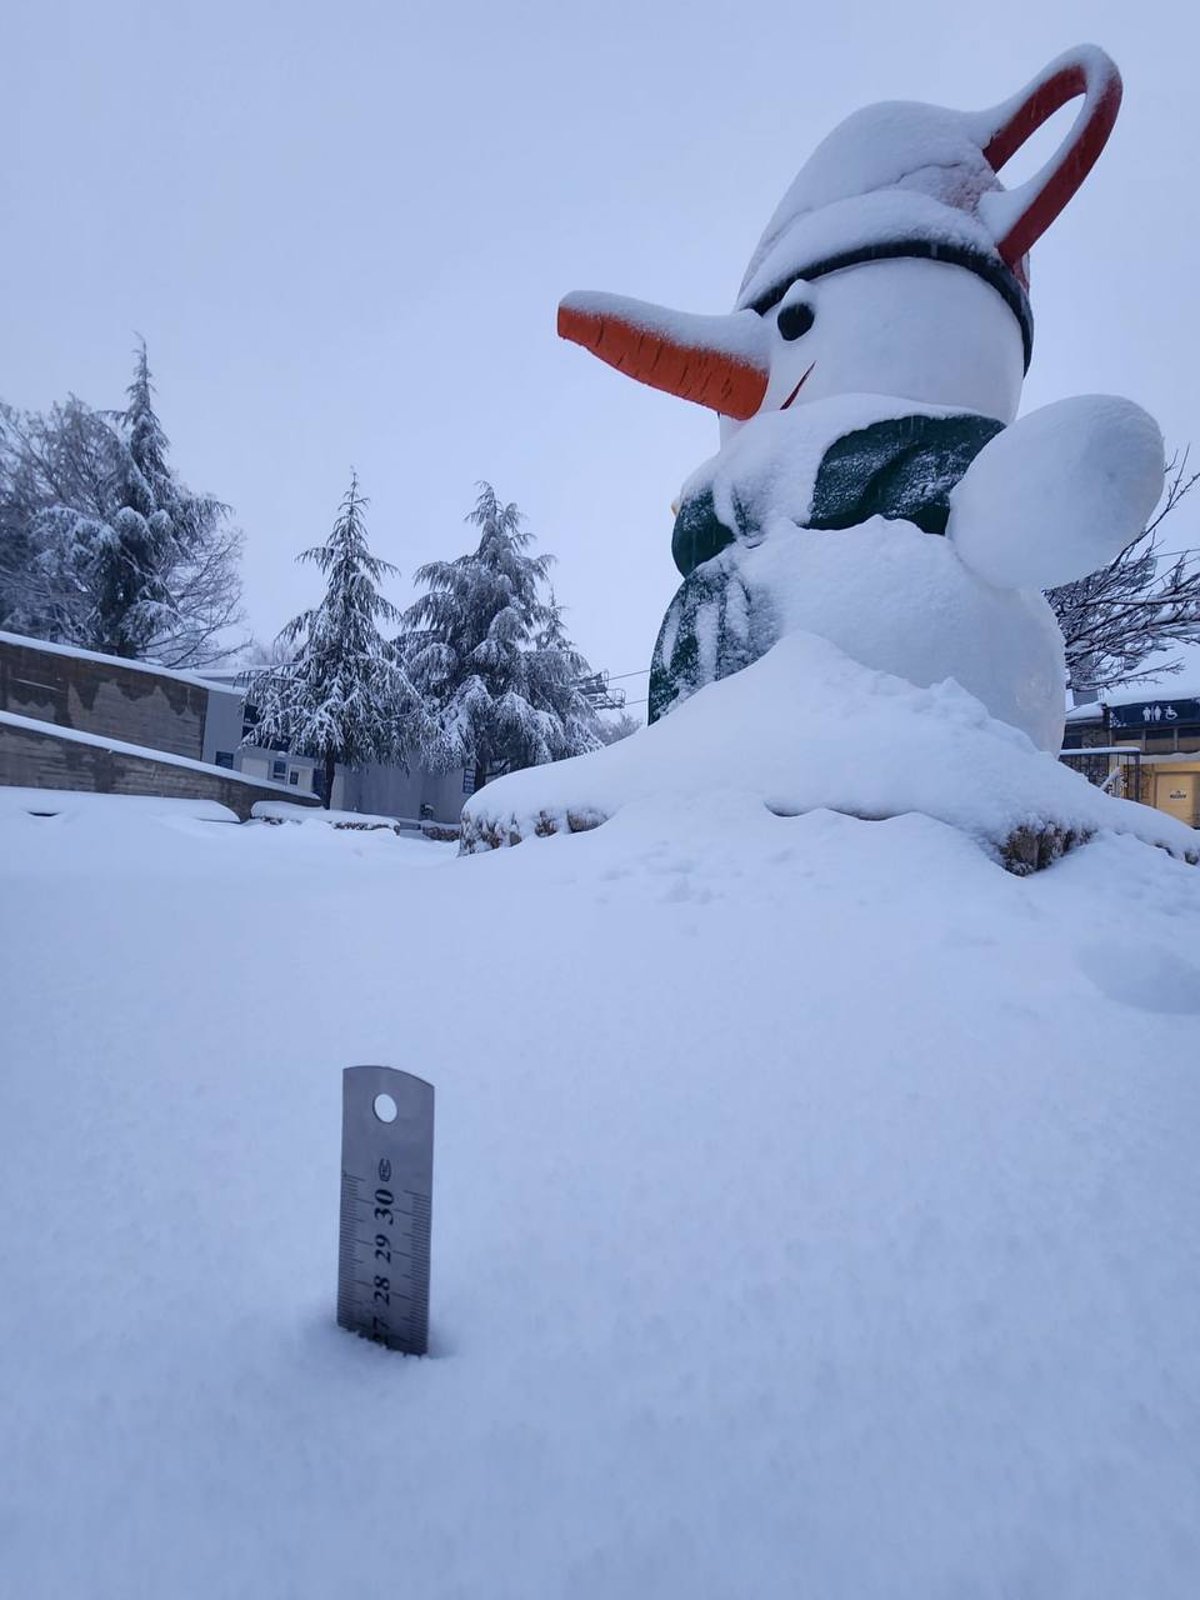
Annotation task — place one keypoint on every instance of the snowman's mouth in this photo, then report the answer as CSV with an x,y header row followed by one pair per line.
x,y
798,388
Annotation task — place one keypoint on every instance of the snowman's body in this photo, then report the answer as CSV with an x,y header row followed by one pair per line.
x,y
871,486
892,594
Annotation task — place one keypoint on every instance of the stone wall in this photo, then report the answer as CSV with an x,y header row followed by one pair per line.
x,y
43,759
104,696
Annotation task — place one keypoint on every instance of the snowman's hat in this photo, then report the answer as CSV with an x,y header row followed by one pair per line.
x,y
893,180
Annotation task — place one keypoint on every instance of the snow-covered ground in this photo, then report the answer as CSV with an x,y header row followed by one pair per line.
x,y
847,1247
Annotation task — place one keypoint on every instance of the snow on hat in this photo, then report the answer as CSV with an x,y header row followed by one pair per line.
x,y
892,180
903,179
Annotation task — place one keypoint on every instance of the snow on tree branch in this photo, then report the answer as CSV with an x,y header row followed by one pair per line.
x,y
1118,622
341,692
101,545
492,655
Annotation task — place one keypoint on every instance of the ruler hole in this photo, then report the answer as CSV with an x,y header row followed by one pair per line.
x,y
385,1108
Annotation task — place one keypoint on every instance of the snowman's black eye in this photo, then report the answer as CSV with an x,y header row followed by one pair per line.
x,y
794,321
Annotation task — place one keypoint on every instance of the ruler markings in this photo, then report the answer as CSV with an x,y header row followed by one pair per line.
x,y
391,1220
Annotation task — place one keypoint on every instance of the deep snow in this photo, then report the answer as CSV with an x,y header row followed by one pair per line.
x,y
816,1212
805,727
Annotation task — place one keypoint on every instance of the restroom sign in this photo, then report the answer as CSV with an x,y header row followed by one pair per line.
x,y
1157,715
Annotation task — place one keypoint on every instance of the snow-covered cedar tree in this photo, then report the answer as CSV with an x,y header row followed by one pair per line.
x,y
51,465
340,692
101,545
618,728
491,654
557,671
1118,622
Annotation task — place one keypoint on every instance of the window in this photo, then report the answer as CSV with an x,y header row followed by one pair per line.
x,y
279,770
294,779
225,759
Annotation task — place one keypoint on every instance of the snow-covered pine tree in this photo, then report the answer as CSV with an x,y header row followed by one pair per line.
x,y
103,546
55,476
492,657
343,694
624,725
133,556
556,673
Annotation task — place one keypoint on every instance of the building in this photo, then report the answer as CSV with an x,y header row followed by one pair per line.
x,y
1145,749
415,795
75,719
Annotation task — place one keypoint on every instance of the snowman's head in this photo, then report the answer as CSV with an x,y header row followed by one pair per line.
x,y
896,265
925,331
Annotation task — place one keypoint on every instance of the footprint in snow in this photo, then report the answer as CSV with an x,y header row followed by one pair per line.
x,y
1148,977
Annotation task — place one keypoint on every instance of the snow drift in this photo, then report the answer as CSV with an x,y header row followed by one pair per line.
x,y
804,729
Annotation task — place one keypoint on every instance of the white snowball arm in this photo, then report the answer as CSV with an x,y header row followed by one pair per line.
x,y
1058,494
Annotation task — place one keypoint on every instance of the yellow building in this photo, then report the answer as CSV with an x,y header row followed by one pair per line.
x,y
1173,785
1147,750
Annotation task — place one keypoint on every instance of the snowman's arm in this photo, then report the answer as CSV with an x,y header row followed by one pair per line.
x,y
1059,494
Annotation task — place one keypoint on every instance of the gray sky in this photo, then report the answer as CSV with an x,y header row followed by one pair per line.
x,y
343,231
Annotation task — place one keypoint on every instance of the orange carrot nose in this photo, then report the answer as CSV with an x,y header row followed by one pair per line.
x,y
719,362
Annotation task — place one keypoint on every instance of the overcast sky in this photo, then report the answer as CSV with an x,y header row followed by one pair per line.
x,y
344,229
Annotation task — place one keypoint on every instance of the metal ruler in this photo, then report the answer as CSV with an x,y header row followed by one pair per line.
x,y
387,1192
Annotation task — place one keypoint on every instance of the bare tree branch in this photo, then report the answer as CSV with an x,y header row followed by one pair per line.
x,y
1120,622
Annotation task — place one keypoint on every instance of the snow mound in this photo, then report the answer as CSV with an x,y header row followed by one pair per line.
x,y
277,812
16,800
804,729
288,811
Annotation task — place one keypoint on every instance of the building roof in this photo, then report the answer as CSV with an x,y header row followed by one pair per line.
x,y
10,719
1182,685
25,642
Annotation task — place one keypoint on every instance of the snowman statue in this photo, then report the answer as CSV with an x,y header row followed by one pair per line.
x,y
872,539
872,486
